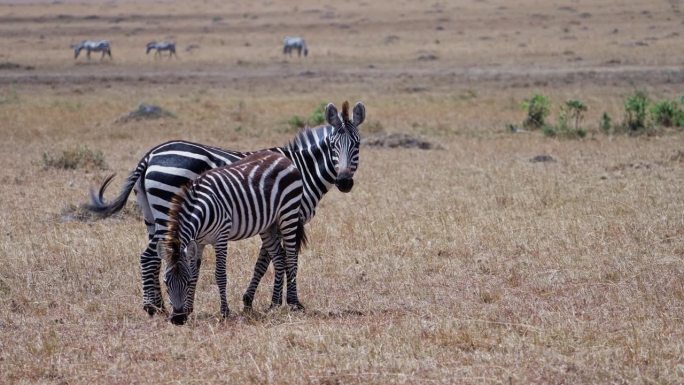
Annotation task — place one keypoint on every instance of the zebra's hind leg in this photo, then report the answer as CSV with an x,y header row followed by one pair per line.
x,y
221,248
150,264
259,270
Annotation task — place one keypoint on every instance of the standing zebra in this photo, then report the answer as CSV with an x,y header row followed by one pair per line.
x,y
325,155
259,194
90,46
292,43
162,46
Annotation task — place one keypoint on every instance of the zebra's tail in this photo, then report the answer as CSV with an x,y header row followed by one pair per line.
x,y
99,206
300,235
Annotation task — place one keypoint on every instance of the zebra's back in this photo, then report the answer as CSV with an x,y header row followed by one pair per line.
x,y
239,200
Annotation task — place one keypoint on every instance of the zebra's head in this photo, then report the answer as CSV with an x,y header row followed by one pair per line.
x,y
344,142
182,268
77,48
150,46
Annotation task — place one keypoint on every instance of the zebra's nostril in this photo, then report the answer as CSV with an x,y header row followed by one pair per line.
x,y
344,185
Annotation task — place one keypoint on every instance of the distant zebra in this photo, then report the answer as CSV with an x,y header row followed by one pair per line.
x,y
260,194
326,156
162,46
90,46
292,43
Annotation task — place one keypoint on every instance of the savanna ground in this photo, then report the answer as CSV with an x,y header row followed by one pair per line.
x,y
469,264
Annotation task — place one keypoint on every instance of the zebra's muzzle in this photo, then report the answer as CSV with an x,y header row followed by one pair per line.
x,y
178,318
344,184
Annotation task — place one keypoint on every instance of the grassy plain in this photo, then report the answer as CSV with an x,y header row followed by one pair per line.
x,y
469,264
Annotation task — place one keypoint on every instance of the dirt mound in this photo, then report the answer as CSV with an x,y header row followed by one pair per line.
x,y
542,158
146,111
14,66
399,140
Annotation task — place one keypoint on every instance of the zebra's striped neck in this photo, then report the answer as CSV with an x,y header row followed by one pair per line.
x,y
310,151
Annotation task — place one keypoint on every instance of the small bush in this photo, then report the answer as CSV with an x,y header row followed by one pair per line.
x,y
636,107
606,124
79,157
667,113
538,108
316,118
318,115
574,111
569,120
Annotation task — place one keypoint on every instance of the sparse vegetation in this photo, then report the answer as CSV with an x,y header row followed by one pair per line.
x,y
606,124
636,109
569,120
77,157
316,118
538,108
667,113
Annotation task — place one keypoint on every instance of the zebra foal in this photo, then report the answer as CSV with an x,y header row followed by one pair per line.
x,y
260,194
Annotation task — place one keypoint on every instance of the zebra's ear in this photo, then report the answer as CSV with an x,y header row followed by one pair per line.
x,y
191,251
332,117
162,250
359,114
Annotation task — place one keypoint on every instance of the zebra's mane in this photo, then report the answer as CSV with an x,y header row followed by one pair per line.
x,y
308,137
345,112
172,240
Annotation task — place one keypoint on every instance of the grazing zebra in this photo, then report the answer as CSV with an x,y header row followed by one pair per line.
x,y
325,155
292,43
162,46
259,194
90,46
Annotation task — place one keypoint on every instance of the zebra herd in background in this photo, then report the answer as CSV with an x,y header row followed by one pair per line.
x,y
325,156
289,44
93,46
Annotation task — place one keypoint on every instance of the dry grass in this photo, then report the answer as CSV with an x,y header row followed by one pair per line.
x,y
464,265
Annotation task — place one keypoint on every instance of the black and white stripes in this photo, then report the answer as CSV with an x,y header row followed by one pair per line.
x,y
326,156
260,194
93,46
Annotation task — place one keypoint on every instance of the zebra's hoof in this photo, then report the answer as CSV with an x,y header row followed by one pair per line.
x,y
297,306
152,309
247,301
178,319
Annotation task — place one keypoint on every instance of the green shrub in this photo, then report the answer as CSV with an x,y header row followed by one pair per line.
x,y
667,113
636,107
569,120
318,115
574,110
606,124
538,108
316,118
78,157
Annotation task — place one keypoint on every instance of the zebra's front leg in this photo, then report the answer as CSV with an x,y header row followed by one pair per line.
x,y
221,248
259,270
150,265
